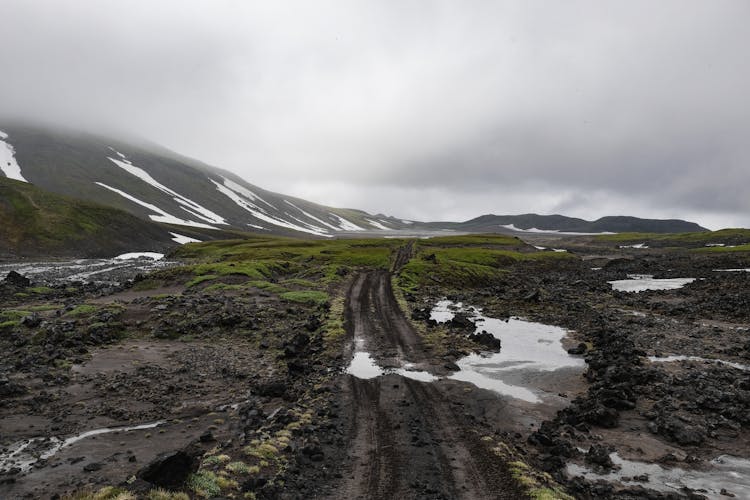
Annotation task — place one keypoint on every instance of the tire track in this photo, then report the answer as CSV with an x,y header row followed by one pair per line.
x,y
405,440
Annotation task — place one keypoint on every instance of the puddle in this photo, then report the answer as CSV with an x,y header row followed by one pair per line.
x,y
418,375
671,359
641,282
637,245
527,347
726,472
24,454
364,367
747,270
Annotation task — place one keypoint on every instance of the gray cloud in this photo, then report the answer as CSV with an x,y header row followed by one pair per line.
x,y
424,109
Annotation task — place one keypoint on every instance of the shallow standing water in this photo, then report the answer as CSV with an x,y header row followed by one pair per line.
x,y
24,454
724,472
528,348
642,282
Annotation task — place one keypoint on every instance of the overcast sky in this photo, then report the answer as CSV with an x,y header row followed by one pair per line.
x,y
422,109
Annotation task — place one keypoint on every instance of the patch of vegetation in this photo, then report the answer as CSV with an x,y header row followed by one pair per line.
x,y
727,249
216,459
204,484
13,315
262,451
268,286
162,494
300,282
483,240
238,467
82,310
40,289
333,327
106,493
698,239
219,287
478,262
35,222
200,279
537,485
306,297
44,307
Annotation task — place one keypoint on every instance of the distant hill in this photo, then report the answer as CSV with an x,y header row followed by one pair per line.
x,y
530,223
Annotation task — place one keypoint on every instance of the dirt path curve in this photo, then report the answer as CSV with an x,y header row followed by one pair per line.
x,y
406,439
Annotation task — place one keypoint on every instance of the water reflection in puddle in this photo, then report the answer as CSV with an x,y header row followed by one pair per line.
x,y
526,347
726,472
364,367
641,282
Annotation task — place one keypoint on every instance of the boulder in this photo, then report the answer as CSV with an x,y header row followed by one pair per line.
x,y
171,470
17,280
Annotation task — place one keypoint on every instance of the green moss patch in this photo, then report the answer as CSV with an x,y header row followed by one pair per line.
x,y
306,297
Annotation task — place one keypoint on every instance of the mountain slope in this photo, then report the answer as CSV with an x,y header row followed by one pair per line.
x,y
34,223
154,183
159,185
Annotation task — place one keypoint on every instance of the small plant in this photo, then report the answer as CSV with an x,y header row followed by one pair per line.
x,y
238,467
106,493
162,494
216,459
204,484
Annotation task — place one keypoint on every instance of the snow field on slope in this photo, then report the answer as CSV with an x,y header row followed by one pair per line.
x,y
8,163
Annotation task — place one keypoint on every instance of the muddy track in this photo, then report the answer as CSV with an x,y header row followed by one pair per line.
x,y
405,438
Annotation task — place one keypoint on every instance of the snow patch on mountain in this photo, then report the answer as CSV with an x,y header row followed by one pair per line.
x,y
311,216
512,227
259,213
345,225
162,215
8,163
378,225
187,204
182,239
237,188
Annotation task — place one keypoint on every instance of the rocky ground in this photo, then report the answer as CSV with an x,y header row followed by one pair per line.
x,y
680,414
239,393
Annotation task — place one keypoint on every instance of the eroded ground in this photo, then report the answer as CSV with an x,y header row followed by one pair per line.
x,y
236,379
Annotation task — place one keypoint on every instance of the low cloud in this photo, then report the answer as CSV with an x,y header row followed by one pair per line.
x,y
431,110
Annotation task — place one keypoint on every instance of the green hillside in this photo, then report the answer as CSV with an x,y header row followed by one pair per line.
x,y
34,222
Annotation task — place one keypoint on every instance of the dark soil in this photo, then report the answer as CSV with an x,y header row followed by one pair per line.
x,y
233,372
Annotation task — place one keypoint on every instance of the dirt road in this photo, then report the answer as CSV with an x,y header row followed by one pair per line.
x,y
406,438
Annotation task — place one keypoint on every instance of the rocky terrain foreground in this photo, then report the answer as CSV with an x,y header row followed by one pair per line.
x,y
460,367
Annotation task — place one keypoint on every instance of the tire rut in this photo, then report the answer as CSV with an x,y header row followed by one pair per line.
x,y
405,440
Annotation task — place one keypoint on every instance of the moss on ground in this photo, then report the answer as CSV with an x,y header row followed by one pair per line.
x,y
82,310
306,297
697,239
